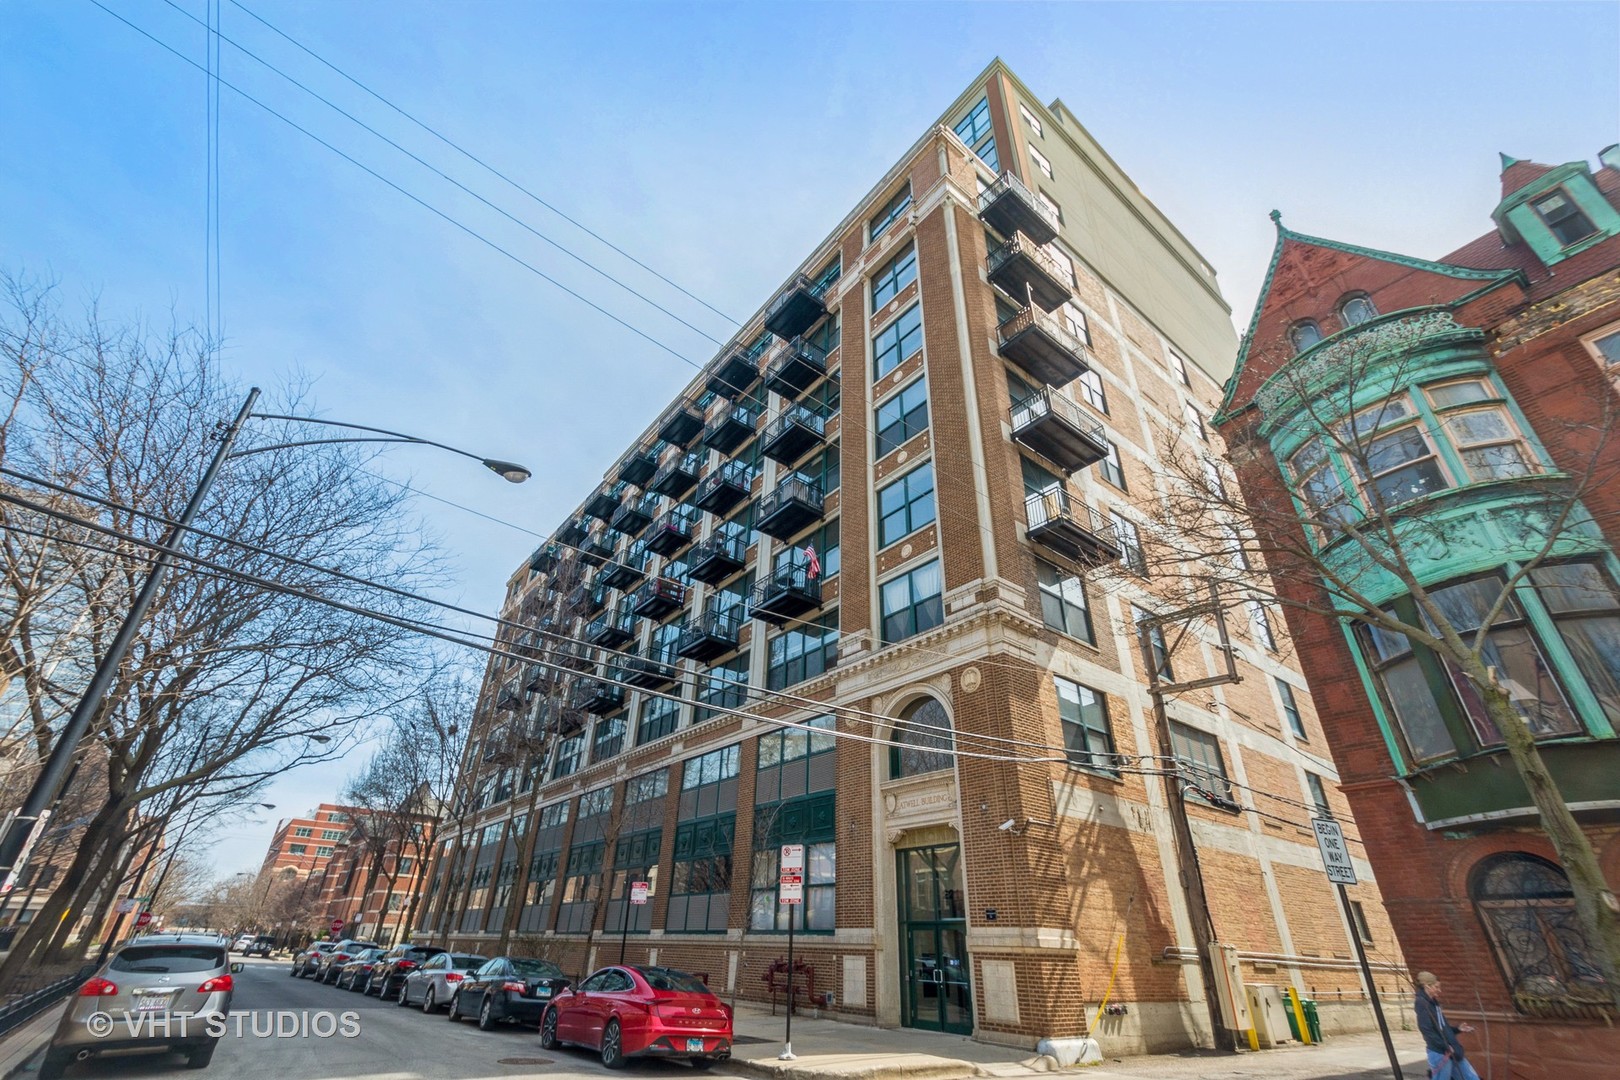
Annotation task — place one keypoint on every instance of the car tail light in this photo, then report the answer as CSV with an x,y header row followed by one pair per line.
x,y
453,977
404,965
515,987
98,988
219,984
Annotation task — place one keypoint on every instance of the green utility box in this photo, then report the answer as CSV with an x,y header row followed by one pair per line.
x,y
1313,1021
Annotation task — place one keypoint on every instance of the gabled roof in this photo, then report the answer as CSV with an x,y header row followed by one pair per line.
x,y
1517,174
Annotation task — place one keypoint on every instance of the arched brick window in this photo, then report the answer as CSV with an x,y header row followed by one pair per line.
x,y
922,740
1303,334
1528,910
1356,309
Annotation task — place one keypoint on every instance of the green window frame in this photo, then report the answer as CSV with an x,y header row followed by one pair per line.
x,y
894,276
891,212
906,505
581,888
902,417
898,342
803,651
912,602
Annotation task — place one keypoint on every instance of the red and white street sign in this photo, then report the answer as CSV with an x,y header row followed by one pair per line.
x,y
638,892
790,882
336,927
143,918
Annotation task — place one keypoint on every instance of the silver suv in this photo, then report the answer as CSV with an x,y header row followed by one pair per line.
x,y
156,992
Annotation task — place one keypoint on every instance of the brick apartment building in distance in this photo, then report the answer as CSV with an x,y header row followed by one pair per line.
x,y
301,847
899,514
1508,354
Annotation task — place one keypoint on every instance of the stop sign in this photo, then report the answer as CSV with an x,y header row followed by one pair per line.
x,y
143,918
337,926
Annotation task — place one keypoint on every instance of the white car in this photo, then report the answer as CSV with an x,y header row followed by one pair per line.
x,y
435,981
242,943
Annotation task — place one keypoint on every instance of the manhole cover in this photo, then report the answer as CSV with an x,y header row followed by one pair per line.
x,y
524,1061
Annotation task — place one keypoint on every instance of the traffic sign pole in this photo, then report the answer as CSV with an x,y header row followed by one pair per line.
x,y
1372,989
790,891
1341,870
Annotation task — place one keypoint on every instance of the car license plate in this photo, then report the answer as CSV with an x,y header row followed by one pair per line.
x,y
542,991
694,1046
152,1002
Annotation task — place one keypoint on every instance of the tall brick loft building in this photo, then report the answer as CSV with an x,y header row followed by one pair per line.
x,y
1507,353
302,846
899,512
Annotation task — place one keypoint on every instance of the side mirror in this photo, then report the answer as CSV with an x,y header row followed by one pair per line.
x,y
238,968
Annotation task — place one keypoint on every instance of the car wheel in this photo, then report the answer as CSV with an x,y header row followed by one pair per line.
x,y
427,1002
486,1015
454,1011
612,1046
404,998
548,1030
294,971
201,1056
53,1067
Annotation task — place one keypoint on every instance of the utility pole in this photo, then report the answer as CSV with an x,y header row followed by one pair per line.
x,y
1188,870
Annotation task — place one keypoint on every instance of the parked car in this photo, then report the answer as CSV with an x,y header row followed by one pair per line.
x,y
329,964
388,974
626,1012
507,988
306,960
177,977
261,945
434,982
242,943
353,975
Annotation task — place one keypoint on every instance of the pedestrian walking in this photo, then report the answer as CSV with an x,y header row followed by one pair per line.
x,y
1446,1058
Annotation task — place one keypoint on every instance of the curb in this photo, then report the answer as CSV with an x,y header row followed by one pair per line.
x,y
23,1042
933,1069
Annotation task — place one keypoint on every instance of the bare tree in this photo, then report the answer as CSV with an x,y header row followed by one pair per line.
x,y
1347,532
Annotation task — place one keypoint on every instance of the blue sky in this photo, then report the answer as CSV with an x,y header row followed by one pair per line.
x,y
717,143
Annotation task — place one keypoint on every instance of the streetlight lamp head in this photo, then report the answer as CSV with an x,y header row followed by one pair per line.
x,y
320,738
268,805
507,470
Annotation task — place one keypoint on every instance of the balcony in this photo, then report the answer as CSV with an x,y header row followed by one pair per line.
x,y
659,597
571,533
544,559
508,701
598,696
624,571
671,531
786,594
712,634
574,655
597,548
717,558
678,475
633,517
796,308
569,722
1022,270
1036,342
1008,207
1058,430
654,671
681,425
724,488
795,367
638,467
539,678
587,599
612,628
601,504
730,427
734,374
1071,528
792,506
792,434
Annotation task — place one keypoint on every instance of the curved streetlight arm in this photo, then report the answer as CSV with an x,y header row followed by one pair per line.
x,y
506,469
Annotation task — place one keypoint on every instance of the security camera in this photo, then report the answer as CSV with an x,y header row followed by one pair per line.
x,y
1007,826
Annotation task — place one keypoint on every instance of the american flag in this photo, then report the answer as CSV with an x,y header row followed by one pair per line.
x,y
812,564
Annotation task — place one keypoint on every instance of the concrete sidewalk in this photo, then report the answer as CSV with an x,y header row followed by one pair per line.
x,y
28,1039
834,1050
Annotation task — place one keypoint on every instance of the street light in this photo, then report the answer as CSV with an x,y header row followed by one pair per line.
x,y
32,815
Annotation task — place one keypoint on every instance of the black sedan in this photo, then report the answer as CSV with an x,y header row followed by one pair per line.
x,y
389,972
354,974
508,988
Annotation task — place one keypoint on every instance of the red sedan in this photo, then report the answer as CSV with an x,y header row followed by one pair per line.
x,y
626,1012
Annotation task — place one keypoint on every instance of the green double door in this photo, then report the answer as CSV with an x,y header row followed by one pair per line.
x,y
938,980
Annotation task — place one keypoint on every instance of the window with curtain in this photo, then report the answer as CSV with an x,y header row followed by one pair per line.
x,y
922,741
912,602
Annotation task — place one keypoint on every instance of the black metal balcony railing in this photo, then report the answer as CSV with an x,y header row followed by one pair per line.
x,y
638,467
624,571
544,559
652,670
1059,430
786,594
601,504
792,434
586,599
796,308
658,597
1071,528
1039,344
680,425
1007,206
612,628
792,506
711,634
713,560
569,721
572,532
795,367
597,548
598,696
678,475
729,427
633,517
508,701
575,655
1020,268
724,488
734,374
671,531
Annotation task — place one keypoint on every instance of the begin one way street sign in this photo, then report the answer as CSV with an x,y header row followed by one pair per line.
x,y
1335,856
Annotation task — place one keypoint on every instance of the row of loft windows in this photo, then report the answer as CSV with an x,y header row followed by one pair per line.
x,y
1352,310
974,129
1409,446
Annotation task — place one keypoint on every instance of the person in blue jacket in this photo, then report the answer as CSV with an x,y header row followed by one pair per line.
x,y
1446,1058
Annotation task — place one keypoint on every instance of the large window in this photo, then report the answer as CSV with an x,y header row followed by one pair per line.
x,y
1321,486
608,738
795,804
1586,609
723,686
1203,769
1480,428
1528,909
922,740
912,602
1290,708
1063,601
889,214
894,275
824,541
568,755
975,130
582,888
1111,469
659,717
1088,739
540,888
803,651
897,342
906,505
1393,453
1565,220
902,416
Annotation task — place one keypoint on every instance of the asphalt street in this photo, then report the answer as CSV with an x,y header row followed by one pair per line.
x,y
387,1042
